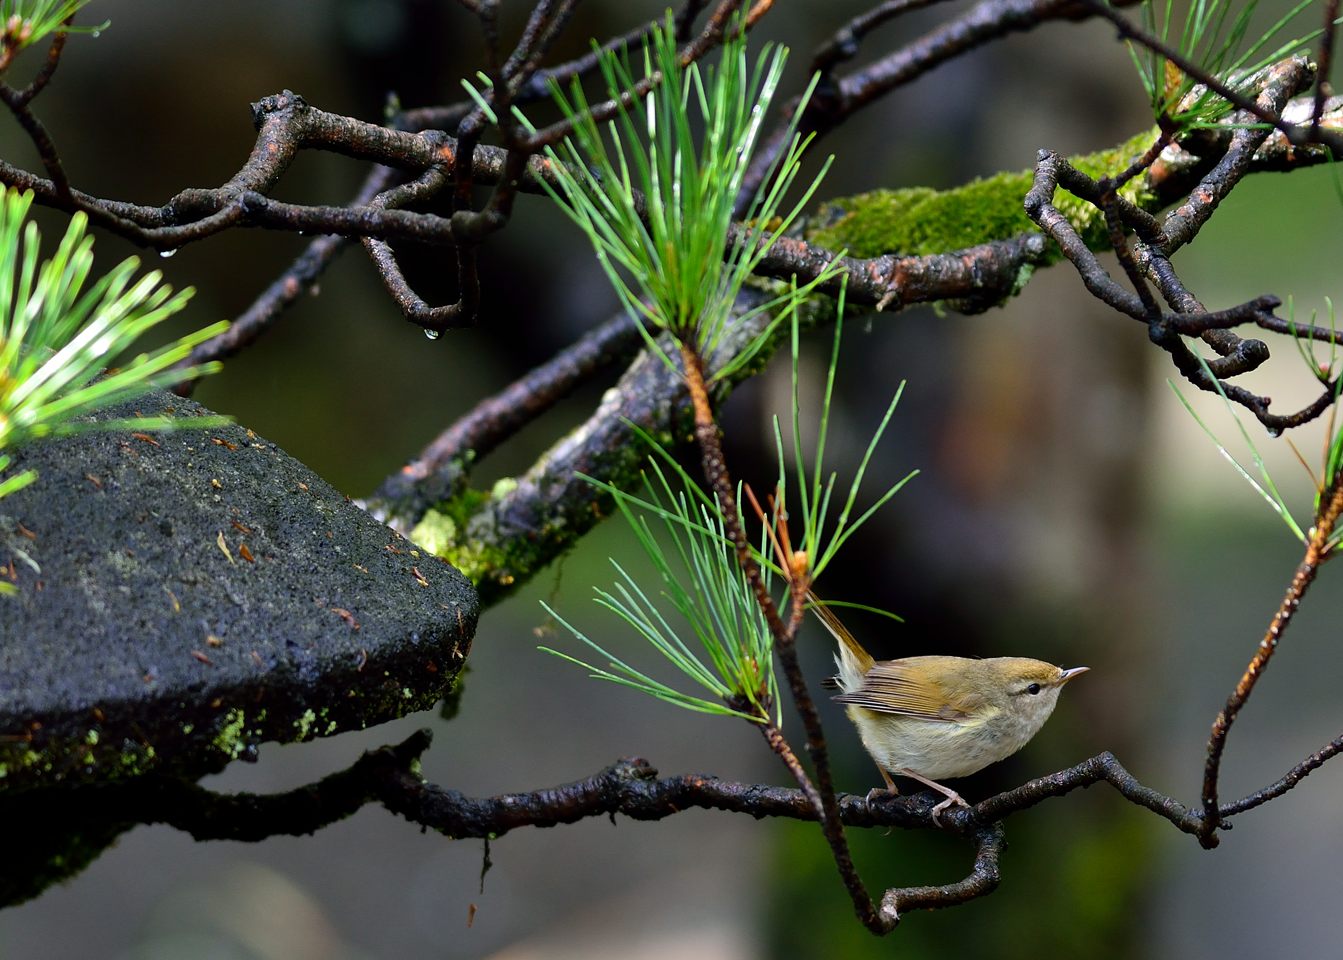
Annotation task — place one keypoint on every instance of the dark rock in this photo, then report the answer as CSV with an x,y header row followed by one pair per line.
x,y
185,596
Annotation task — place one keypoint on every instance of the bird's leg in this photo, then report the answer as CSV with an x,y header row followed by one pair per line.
x,y
951,795
875,792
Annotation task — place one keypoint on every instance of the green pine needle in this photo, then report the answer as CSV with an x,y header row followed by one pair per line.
x,y
704,595
821,539
26,22
1267,488
722,644
1213,36
57,337
656,200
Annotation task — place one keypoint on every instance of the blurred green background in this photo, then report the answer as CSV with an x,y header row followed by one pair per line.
x,y
1067,509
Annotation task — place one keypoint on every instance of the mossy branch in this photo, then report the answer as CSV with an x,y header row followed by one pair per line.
x,y
922,221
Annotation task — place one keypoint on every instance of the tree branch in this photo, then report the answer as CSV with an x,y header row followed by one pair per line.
x,y
1317,552
444,464
631,787
836,100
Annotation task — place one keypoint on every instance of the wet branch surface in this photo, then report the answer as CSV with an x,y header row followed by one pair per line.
x,y
632,788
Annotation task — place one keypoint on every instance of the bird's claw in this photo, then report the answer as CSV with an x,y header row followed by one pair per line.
x,y
952,798
877,793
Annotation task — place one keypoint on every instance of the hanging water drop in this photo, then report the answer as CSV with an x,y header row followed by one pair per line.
x,y
166,254
432,334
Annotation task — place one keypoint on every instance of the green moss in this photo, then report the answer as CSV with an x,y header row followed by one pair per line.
x,y
24,759
229,740
452,699
445,538
303,725
462,529
921,221
443,531
90,754
436,532
132,760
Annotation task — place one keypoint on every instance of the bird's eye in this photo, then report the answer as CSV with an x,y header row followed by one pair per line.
x,y
1033,689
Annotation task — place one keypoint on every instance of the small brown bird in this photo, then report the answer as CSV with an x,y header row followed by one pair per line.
x,y
934,718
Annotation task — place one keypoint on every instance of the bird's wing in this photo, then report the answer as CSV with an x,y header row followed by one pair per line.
x,y
893,686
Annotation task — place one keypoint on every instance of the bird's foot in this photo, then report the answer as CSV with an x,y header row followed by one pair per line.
x,y
952,798
878,793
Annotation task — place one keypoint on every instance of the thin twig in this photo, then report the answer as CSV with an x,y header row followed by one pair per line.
x,y
1289,780
844,45
298,279
716,473
44,75
17,102
1150,258
837,100
1317,552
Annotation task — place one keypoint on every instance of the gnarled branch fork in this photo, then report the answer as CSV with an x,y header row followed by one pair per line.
x,y
1147,262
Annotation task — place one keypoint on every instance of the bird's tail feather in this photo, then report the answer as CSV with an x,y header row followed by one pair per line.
x,y
854,662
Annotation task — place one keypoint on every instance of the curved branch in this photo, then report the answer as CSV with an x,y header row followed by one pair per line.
x,y
287,124
983,880
1149,258
390,776
630,787
1288,781
298,279
1317,552
1103,767
836,100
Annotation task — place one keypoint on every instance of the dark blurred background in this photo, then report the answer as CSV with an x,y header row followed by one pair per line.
x,y
1067,509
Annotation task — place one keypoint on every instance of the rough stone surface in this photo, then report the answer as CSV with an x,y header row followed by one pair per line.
x,y
184,596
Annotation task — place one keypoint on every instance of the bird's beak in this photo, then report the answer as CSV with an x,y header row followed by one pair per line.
x,y
1069,674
